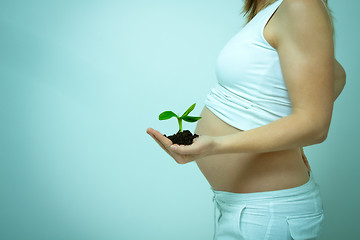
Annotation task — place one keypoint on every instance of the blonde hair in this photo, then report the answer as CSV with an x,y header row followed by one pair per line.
x,y
249,10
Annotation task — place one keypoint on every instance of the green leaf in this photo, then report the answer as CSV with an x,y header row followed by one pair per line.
x,y
166,115
189,110
190,118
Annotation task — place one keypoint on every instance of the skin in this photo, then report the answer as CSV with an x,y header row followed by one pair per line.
x,y
271,157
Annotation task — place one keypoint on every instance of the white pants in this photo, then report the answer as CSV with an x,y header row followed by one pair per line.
x,y
294,213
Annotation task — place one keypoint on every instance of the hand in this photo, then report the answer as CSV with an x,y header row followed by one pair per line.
x,y
305,159
202,146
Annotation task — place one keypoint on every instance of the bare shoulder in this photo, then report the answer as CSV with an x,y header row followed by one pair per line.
x,y
302,20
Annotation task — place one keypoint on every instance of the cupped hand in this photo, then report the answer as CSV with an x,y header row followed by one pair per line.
x,y
202,146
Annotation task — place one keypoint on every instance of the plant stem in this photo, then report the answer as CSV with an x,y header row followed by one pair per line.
x,y
180,124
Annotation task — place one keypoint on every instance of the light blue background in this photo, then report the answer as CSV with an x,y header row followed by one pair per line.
x,y
80,81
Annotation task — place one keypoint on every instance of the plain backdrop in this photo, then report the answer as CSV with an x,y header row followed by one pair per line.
x,y
80,81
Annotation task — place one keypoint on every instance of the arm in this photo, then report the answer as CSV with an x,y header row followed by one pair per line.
x,y
306,51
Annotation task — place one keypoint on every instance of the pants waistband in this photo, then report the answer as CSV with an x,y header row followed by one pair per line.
x,y
311,185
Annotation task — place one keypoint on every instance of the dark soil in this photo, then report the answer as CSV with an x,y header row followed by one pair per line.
x,y
182,138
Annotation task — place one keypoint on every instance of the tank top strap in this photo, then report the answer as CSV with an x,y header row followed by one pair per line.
x,y
268,12
263,18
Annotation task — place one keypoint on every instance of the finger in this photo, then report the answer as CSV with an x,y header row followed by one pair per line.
x,y
167,142
159,137
175,156
160,144
149,130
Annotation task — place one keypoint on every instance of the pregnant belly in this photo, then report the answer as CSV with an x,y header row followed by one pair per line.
x,y
248,172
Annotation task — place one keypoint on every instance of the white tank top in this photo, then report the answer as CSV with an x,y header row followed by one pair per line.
x,y
250,91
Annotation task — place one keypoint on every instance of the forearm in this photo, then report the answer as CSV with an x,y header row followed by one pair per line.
x,y
288,132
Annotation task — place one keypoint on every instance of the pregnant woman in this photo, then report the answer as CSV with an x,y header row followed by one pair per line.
x,y
277,81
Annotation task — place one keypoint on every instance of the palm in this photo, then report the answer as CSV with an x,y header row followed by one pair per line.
x,y
201,147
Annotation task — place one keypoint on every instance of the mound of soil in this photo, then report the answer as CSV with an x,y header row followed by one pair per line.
x,y
182,138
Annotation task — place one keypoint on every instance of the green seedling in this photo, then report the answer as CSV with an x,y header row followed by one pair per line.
x,y
169,114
